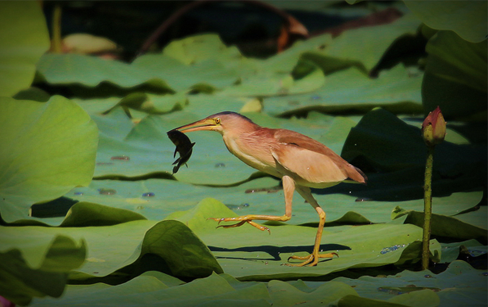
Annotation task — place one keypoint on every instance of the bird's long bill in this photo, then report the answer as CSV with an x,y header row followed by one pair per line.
x,y
200,125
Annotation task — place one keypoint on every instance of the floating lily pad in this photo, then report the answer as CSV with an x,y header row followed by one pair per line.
x,y
460,284
156,199
152,288
362,47
451,288
199,48
36,267
65,69
48,148
24,38
183,253
446,226
268,83
397,90
385,144
467,19
62,69
451,251
455,79
249,254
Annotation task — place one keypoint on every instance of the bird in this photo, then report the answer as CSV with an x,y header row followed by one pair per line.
x,y
299,161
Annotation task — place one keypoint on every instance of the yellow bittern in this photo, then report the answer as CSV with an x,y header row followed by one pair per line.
x,y
301,162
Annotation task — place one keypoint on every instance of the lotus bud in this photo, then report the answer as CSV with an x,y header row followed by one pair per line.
x,y
434,128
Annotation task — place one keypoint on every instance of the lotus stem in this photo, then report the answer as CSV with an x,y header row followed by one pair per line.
x,y
56,29
427,208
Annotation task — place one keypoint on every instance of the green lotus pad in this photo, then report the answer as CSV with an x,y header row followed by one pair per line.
x,y
156,199
365,45
249,254
205,64
64,69
36,265
476,218
47,149
459,284
24,38
267,83
456,66
397,90
467,19
84,214
387,145
242,252
113,247
145,103
447,226
451,251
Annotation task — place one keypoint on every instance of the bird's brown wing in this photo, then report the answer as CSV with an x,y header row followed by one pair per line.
x,y
311,160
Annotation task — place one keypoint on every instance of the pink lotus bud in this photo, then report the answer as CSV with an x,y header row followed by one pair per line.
x,y
434,128
5,302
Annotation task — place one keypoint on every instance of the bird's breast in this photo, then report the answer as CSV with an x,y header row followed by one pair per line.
x,y
255,154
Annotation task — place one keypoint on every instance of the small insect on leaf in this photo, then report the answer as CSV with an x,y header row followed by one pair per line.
x,y
183,146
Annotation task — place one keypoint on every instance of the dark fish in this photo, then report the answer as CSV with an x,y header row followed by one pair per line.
x,y
183,146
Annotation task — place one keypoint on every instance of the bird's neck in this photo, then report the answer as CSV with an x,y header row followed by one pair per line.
x,y
236,132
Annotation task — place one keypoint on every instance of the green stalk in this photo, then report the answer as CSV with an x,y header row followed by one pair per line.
x,y
56,29
427,208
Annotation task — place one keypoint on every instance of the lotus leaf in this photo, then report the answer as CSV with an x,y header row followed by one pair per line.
x,y
63,69
277,85
467,19
448,226
450,288
248,254
152,288
175,245
24,38
453,287
89,214
156,199
97,105
47,149
397,90
384,143
363,47
456,67
199,48
451,251
91,71
460,284
476,218
36,265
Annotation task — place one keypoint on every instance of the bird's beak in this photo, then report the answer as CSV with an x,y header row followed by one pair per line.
x,y
207,124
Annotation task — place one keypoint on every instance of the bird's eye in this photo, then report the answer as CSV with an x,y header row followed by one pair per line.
x,y
217,121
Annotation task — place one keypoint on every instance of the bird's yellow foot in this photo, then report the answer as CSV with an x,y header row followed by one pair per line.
x,y
311,259
231,219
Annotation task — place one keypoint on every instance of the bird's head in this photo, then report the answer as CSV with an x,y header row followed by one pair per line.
x,y
221,122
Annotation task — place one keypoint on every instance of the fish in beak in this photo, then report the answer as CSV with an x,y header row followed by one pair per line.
x,y
183,146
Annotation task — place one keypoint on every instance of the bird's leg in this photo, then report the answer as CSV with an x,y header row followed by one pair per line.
x,y
314,257
288,188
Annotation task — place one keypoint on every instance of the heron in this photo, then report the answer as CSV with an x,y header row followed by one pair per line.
x,y
299,161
